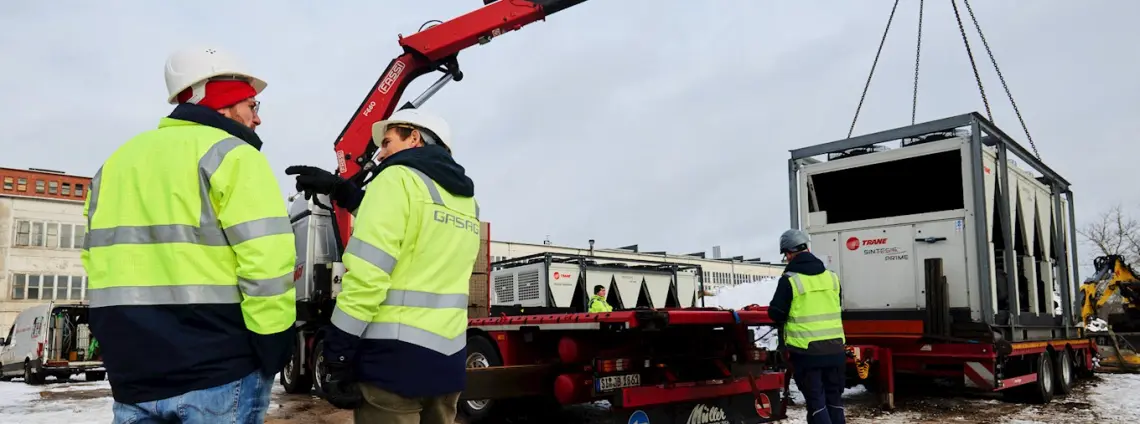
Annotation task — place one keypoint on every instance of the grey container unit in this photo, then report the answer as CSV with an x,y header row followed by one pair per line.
x,y
948,191
562,283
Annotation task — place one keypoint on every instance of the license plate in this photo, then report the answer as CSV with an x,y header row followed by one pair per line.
x,y
614,382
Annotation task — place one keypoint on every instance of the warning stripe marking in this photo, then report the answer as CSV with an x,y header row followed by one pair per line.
x,y
978,375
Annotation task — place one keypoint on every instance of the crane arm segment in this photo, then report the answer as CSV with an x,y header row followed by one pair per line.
x,y
433,49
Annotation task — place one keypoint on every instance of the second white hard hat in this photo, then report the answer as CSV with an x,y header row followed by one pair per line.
x,y
192,65
418,118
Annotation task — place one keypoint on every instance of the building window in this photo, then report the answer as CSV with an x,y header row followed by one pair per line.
x,y
37,234
79,190
48,287
52,235
39,186
19,281
53,187
23,233
22,184
65,237
80,233
9,183
66,189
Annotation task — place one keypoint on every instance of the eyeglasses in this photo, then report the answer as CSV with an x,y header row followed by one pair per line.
x,y
256,106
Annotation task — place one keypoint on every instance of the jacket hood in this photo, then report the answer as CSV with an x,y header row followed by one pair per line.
x,y
806,263
437,164
211,118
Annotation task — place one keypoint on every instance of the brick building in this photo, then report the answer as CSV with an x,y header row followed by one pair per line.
x,y
41,236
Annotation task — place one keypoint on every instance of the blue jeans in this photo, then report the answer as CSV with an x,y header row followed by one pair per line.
x,y
822,388
243,401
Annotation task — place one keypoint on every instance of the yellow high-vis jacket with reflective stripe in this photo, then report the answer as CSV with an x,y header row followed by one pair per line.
x,y
404,302
189,255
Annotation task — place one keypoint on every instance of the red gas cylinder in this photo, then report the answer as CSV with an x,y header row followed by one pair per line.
x,y
570,389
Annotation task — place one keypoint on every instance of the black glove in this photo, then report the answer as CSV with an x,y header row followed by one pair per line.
x,y
311,179
340,385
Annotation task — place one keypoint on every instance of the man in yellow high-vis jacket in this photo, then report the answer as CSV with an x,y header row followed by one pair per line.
x,y
598,303
396,351
189,255
807,305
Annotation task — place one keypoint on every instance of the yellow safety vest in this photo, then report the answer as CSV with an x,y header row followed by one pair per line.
x,y
599,304
815,313
409,262
188,214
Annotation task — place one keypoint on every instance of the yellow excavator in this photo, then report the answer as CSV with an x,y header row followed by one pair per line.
x,y
1110,311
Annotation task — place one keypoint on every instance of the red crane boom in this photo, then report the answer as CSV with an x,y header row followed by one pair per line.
x,y
433,49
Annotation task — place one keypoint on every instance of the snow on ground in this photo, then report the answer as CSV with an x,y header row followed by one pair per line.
x,y
72,401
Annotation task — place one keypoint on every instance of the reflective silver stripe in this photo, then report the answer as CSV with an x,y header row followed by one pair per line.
x,y
809,334
371,254
476,209
206,233
347,323
815,318
93,195
173,233
416,336
796,278
421,299
163,295
266,287
207,166
249,230
435,197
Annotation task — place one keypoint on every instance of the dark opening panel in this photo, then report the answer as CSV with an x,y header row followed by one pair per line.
x,y
921,184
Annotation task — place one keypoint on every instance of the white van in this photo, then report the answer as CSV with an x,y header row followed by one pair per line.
x,y
50,339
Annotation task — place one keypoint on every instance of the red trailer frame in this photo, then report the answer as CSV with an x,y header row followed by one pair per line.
x,y
1036,371
551,360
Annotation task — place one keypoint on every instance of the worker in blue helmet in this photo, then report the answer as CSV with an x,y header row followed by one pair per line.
x,y
807,307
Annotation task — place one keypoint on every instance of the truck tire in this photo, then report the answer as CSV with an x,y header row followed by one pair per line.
x,y
318,371
293,380
1063,370
481,353
32,378
95,375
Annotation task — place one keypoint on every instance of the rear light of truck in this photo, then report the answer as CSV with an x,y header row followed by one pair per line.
x,y
613,365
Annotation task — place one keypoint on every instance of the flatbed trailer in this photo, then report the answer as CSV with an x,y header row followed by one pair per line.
x,y
955,263
652,365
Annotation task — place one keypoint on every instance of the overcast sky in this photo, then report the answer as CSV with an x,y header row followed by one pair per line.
x,y
663,123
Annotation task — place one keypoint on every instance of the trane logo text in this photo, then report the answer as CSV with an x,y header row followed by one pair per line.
x,y
456,220
872,242
704,414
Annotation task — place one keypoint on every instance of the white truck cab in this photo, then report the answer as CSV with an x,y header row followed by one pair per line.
x,y
50,339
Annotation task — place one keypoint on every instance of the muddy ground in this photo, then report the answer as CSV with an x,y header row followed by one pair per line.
x,y
1098,400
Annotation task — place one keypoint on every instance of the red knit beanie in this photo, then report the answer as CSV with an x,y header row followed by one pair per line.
x,y
220,94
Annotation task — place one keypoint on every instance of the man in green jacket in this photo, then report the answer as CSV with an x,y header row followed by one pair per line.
x,y
598,301
396,352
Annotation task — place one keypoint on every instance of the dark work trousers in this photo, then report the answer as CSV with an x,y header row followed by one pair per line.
x,y
822,388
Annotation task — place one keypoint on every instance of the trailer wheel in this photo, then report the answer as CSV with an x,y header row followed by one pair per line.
x,y
480,354
1040,391
1063,364
292,379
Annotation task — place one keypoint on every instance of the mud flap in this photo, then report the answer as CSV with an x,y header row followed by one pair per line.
x,y
739,409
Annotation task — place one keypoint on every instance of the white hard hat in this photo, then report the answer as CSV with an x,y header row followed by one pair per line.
x,y
418,118
193,65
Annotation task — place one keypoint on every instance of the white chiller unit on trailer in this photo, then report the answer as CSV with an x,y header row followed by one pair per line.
x,y
945,227
559,283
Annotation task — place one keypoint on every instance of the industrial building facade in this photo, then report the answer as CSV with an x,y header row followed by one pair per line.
x,y
41,236
717,273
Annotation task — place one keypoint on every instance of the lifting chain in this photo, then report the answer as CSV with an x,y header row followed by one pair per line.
x,y
969,54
